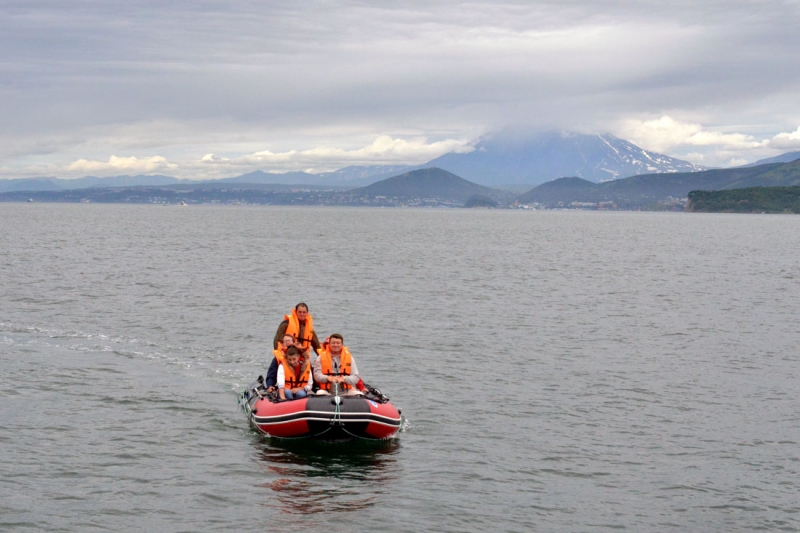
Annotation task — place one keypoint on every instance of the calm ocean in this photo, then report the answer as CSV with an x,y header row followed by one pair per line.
x,y
557,371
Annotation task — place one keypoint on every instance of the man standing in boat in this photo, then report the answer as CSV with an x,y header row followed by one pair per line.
x,y
335,364
299,325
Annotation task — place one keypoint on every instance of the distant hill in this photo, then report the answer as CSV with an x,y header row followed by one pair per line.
x,y
778,175
642,190
89,182
749,200
783,158
364,175
426,183
507,159
353,176
30,184
261,177
347,177
479,200
561,190
118,181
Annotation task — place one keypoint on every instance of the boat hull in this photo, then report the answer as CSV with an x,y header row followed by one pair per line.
x,y
329,417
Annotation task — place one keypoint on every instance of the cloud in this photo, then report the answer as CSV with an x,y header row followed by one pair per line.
x,y
383,150
186,163
786,141
211,158
665,134
121,164
703,146
318,83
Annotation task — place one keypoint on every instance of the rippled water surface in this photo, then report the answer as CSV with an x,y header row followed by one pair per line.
x,y
558,371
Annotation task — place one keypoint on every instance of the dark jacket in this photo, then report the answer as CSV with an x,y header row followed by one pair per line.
x,y
272,373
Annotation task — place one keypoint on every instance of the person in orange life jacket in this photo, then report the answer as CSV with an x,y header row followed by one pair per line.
x,y
299,325
280,354
294,378
336,365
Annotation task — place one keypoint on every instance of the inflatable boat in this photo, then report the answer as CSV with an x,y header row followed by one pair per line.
x,y
367,416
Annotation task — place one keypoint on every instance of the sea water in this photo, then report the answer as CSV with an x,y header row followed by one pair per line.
x,y
557,371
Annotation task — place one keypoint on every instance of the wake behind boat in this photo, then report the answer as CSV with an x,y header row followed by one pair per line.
x,y
368,416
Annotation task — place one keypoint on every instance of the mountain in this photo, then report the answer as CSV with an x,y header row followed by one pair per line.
x,y
638,191
353,176
118,181
260,177
426,183
364,175
564,190
776,175
507,159
253,178
30,184
783,158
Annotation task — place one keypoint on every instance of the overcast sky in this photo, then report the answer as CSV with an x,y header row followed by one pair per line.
x,y
208,89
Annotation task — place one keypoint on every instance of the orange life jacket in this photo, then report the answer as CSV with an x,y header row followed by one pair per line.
x,y
291,380
279,354
326,367
293,329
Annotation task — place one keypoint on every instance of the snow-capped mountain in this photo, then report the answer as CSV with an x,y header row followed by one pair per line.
x,y
509,159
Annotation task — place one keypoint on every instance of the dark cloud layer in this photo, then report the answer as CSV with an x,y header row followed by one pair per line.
x,y
88,80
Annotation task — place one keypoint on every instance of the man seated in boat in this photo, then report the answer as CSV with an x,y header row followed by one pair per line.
x,y
299,325
280,355
335,365
294,376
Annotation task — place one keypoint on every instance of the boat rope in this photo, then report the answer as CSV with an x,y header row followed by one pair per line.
x,y
352,434
337,400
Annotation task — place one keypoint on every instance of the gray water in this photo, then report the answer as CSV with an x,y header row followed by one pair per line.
x,y
557,371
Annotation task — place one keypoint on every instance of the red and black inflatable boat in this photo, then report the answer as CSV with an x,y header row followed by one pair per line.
x,y
370,416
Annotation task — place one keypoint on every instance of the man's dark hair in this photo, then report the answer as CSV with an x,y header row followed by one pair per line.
x,y
292,351
301,304
337,336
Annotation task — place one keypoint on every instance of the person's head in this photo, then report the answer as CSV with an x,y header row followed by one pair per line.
x,y
293,356
287,341
301,310
336,342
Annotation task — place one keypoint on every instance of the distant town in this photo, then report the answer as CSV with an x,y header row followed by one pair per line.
x,y
309,196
